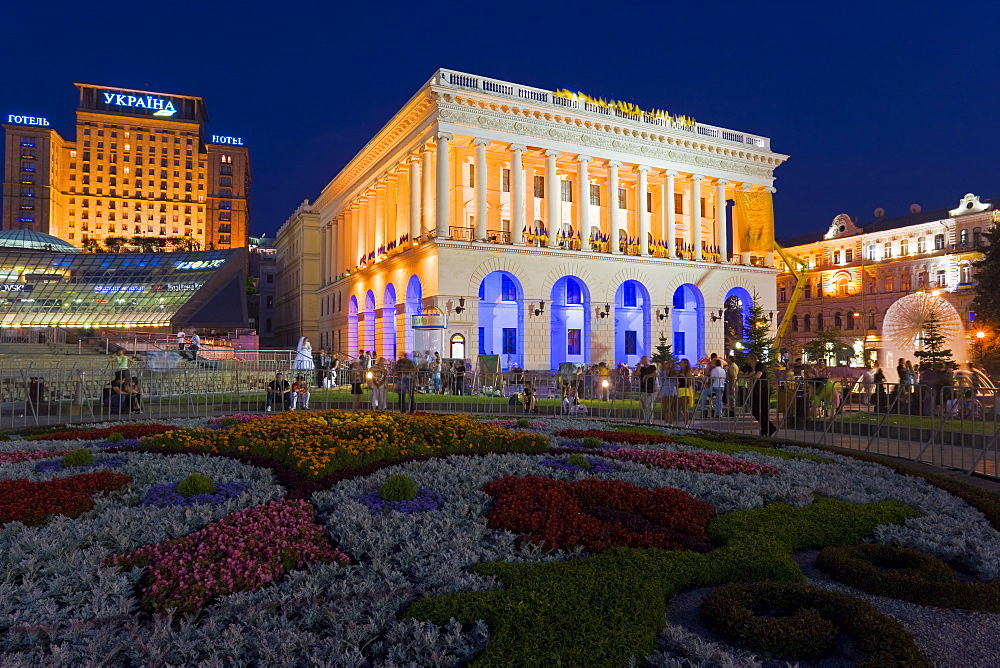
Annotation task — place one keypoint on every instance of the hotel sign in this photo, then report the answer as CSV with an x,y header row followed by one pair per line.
x,y
27,120
159,106
232,141
199,264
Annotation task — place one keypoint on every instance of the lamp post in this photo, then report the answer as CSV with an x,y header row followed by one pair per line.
x,y
980,340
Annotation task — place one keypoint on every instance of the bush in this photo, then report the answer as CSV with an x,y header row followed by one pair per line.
x,y
522,423
116,437
229,422
399,487
798,621
78,457
590,442
195,484
907,574
579,460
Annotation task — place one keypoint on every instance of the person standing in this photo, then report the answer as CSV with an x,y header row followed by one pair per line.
x,y
194,346
436,373
668,393
685,390
120,360
459,372
714,387
760,393
647,388
406,370
322,362
356,376
181,340
732,380
378,376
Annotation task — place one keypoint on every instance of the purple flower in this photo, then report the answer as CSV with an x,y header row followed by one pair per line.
x,y
577,444
596,465
425,500
166,494
105,462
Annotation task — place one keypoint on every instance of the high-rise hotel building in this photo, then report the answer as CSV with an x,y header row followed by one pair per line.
x,y
539,227
141,166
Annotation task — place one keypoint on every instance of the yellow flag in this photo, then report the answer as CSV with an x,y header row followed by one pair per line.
x,y
755,221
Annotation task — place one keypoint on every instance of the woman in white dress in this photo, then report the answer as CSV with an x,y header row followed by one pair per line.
x,y
303,355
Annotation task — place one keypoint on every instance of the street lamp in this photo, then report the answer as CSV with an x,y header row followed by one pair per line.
x,y
980,339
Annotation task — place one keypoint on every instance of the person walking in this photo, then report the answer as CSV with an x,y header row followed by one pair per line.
x,y
760,393
647,388
356,377
181,340
685,390
194,346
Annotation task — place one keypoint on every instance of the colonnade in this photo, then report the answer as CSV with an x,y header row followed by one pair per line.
x,y
425,195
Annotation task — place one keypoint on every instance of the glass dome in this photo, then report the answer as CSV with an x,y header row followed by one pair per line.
x,y
32,240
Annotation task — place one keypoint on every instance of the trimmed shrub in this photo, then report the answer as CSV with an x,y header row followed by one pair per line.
x,y
399,487
116,437
78,457
229,422
522,423
907,574
591,442
579,460
194,484
798,622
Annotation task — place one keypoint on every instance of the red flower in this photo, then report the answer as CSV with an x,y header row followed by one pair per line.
x,y
615,436
598,514
126,430
33,503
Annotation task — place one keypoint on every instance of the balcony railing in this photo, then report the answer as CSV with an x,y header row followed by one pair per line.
x,y
508,89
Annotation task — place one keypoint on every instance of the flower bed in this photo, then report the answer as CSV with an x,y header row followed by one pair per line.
x,y
112,462
910,575
597,514
321,443
426,499
166,494
566,464
612,436
240,418
18,456
801,622
126,430
33,503
692,461
243,552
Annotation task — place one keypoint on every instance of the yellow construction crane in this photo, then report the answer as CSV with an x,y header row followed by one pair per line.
x,y
799,269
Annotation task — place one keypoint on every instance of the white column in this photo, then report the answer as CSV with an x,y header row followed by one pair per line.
x,y
669,212
720,220
696,214
744,253
361,225
380,217
553,205
583,200
329,259
642,187
442,205
769,254
427,192
517,220
414,178
481,144
371,224
614,213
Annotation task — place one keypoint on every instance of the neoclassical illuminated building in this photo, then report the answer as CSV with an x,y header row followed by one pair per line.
x,y
141,167
542,227
879,282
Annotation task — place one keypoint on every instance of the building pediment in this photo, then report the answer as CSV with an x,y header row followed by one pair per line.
x,y
970,204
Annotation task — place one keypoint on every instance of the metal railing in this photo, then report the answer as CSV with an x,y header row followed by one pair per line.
x,y
954,427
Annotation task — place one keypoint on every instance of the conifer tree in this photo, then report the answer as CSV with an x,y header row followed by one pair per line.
x,y
757,336
933,340
664,353
987,302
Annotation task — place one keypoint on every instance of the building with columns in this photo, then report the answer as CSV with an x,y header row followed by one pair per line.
x,y
543,227
879,282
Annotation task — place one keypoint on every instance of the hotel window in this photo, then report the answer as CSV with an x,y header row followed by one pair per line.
x,y
225,192
622,198
921,245
223,204
595,195
225,215
904,281
472,176
904,247
509,341
838,320
938,242
27,166
887,250
508,289
505,180
649,201
573,339
819,322
631,342
842,288
539,186
704,209
566,188
27,141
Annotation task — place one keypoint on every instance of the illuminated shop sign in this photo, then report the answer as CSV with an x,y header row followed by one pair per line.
x,y
14,287
27,120
159,105
199,264
178,287
430,319
232,141
101,289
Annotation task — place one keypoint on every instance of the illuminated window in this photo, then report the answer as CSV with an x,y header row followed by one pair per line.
x,y
904,247
938,242
595,195
509,341
887,250
573,340
631,342
539,186
921,245
904,281
505,180
566,190
508,289
622,198
629,295
574,295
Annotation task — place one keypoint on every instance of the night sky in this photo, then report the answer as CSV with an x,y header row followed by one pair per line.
x,y
879,104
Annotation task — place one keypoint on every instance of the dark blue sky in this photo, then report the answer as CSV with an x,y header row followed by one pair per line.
x,y
878,103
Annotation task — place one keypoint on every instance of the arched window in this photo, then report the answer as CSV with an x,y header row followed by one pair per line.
x,y
457,346
795,323
807,321
838,320
808,291
819,322
842,287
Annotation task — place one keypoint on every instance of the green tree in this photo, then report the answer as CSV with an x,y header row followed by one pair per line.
x,y
757,335
829,343
664,353
987,272
933,343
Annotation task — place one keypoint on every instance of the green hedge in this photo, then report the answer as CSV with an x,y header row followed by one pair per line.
x,y
907,574
802,622
606,608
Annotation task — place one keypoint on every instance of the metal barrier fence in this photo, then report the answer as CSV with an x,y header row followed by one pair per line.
x,y
950,427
